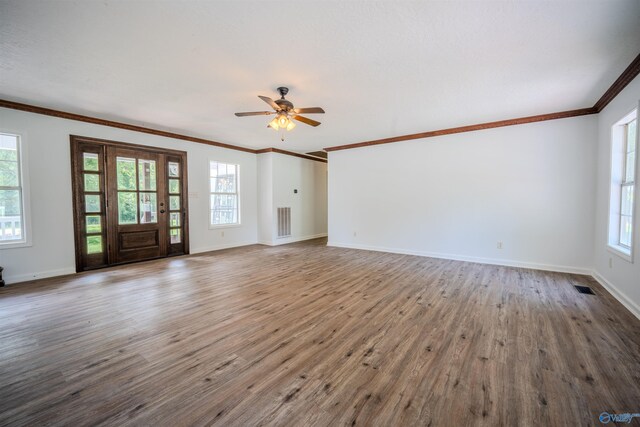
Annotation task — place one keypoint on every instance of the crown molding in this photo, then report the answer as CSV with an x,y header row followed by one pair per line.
x,y
469,128
621,82
135,128
290,153
88,119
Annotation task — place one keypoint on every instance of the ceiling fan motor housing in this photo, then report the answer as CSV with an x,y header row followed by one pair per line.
x,y
284,104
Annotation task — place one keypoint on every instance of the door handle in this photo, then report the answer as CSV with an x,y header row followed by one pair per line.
x,y
161,210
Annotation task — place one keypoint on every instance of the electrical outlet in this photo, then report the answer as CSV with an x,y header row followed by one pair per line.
x,y
222,234
355,234
499,245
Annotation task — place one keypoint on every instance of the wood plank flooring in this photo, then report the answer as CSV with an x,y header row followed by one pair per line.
x,y
304,334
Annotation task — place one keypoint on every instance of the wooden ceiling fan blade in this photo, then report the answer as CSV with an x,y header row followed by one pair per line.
x,y
306,121
270,102
254,113
310,110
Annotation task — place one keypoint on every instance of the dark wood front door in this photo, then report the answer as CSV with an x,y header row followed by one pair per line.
x,y
129,202
138,188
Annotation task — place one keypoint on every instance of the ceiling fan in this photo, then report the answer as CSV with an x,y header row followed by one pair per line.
x,y
285,113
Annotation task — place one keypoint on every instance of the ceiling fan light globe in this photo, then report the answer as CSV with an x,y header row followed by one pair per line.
x,y
291,125
273,124
283,121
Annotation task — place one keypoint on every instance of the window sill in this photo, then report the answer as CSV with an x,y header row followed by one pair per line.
x,y
215,227
621,251
15,245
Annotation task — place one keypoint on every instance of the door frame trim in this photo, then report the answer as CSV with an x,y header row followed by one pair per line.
x,y
75,141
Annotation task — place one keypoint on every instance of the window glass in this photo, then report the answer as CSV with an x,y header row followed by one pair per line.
x,y
623,174
224,200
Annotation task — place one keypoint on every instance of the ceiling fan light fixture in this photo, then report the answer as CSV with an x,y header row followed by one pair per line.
x,y
283,120
273,124
285,113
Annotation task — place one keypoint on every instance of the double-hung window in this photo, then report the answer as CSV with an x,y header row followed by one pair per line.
x,y
622,189
225,194
13,230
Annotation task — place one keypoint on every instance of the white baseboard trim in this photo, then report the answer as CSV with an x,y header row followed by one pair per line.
x,y
286,240
220,247
10,280
617,294
480,260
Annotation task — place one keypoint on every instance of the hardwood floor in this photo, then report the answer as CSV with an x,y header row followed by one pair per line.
x,y
303,334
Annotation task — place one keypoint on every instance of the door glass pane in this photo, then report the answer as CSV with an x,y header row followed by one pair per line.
x,y
94,244
174,169
148,208
126,169
91,182
93,224
175,235
174,203
174,186
626,204
147,174
90,161
127,208
174,219
92,202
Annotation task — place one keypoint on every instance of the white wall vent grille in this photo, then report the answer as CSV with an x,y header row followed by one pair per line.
x,y
284,222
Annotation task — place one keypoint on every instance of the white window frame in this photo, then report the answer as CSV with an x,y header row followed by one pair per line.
x,y
617,177
23,187
237,194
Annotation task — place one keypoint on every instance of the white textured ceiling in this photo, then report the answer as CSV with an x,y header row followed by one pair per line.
x,y
379,69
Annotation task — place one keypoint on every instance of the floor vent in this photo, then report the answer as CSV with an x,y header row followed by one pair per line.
x,y
284,222
584,290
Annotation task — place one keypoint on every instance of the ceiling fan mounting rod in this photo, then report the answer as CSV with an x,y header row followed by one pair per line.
x,y
283,91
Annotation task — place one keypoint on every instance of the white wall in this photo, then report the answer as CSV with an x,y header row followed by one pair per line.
x,y
308,205
529,186
46,143
622,278
265,198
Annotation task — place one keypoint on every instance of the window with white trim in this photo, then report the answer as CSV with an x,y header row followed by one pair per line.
x,y
225,194
624,142
12,217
